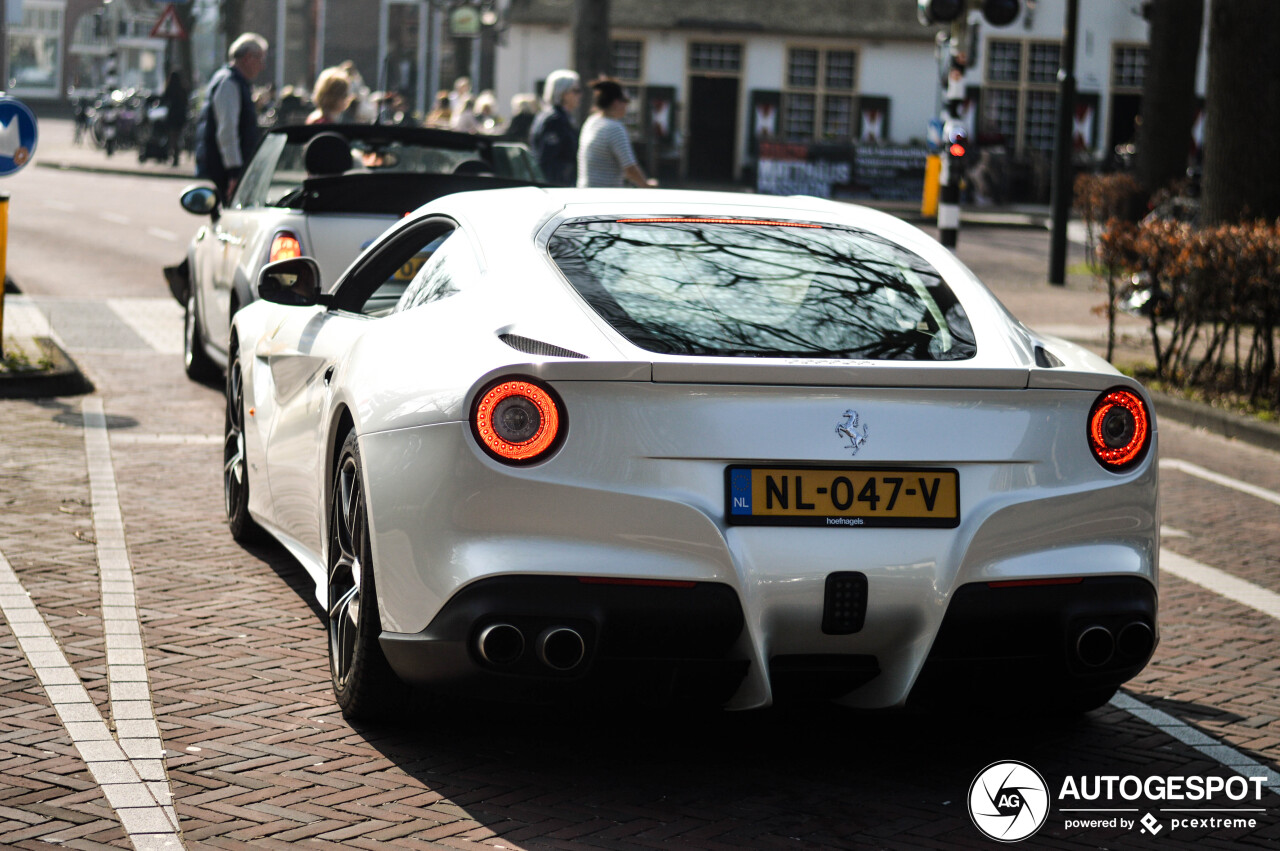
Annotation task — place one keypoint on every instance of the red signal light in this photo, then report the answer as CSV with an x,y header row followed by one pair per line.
x,y
1119,429
285,246
517,421
956,149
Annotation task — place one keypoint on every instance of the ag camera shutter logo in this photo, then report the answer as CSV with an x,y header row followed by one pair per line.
x,y
1008,801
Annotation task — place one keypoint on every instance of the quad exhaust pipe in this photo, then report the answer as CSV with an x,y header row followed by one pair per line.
x,y
500,644
1096,645
560,648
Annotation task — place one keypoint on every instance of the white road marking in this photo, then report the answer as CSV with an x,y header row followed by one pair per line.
x,y
161,233
115,218
141,801
1171,532
1222,583
1206,745
169,439
1219,479
158,321
127,682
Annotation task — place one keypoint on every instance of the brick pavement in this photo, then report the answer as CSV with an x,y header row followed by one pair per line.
x,y
258,755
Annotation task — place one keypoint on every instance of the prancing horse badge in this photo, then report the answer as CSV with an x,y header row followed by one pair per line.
x,y
849,428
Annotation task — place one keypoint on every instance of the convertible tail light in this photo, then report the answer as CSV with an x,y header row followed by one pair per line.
x,y
285,246
1119,429
518,421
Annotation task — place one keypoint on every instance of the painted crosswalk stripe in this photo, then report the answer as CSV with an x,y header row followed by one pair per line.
x,y
158,321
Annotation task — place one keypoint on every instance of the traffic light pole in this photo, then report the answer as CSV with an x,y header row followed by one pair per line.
x,y
1061,189
954,136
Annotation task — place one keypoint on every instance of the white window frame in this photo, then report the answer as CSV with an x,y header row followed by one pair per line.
x,y
821,95
42,20
1025,90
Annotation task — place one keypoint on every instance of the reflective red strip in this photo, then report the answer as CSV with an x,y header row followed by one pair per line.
x,y
1026,583
676,220
650,583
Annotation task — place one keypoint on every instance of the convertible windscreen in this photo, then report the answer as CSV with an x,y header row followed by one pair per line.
x,y
735,288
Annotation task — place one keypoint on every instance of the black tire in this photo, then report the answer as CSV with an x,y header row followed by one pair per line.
x,y
235,470
198,365
363,682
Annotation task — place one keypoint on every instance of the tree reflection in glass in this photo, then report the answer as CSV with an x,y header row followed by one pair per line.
x,y
762,290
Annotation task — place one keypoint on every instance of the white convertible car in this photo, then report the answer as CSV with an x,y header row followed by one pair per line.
x,y
326,191
669,446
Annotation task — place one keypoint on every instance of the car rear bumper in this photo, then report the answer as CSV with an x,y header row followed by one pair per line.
x,y
1009,643
646,642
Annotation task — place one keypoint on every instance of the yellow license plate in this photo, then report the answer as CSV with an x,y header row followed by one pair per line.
x,y
410,268
843,496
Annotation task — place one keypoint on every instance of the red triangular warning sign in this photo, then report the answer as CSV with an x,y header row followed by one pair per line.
x,y
168,26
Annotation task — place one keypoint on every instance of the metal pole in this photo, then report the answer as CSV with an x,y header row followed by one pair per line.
x,y
4,247
1061,187
281,12
952,167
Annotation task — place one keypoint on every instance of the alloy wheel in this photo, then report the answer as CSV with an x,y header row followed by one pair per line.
x,y
347,545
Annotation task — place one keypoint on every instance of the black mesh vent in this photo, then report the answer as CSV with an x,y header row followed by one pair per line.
x,y
537,347
845,606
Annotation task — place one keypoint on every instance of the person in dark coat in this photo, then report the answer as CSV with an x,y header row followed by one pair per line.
x,y
227,133
554,137
174,99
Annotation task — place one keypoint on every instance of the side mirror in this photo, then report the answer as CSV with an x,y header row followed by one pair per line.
x,y
200,200
294,282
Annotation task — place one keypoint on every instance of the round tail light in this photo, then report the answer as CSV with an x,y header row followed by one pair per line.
x,y
517,421
1119,429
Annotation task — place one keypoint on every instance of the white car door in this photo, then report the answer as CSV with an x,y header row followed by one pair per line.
x,y
303,354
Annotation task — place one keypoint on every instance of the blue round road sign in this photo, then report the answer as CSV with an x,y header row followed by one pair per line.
x,y
17,135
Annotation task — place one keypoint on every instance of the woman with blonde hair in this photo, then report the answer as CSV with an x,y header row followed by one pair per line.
x,y
332,96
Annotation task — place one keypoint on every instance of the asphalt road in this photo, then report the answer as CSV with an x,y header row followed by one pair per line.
x,y
249,749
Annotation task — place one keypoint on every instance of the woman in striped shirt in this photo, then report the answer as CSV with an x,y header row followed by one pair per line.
x,y
605,155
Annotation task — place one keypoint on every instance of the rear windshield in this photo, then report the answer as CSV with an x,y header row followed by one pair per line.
x,y
711,287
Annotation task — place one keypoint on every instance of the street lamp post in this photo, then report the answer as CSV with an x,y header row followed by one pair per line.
x,y
1062,148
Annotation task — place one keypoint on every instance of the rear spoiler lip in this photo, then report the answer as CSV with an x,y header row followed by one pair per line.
x,y
888,374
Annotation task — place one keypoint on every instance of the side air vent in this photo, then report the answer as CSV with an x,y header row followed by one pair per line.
x,y
537,347
1046,359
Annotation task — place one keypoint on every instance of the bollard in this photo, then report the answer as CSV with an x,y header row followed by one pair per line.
x,y
932,181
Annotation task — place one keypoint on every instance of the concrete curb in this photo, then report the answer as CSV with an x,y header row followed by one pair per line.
x,y
125,170
63,378
1226,423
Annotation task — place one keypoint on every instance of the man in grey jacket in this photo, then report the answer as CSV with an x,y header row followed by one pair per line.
x,y
227,132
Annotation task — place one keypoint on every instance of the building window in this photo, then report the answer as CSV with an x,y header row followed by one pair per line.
x,y
35,49
628,67
628,60
1128,67
818,101
714,56
1020,95
802,68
